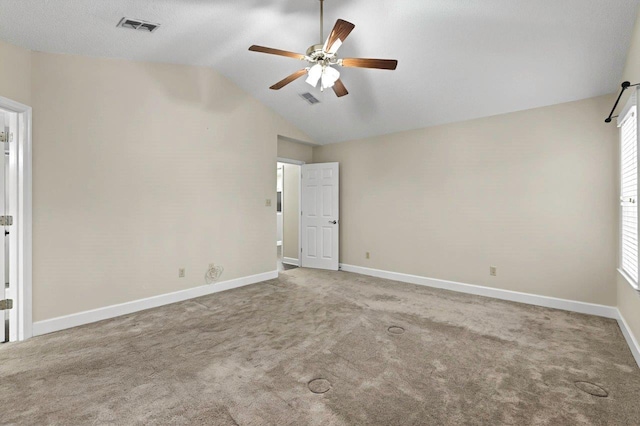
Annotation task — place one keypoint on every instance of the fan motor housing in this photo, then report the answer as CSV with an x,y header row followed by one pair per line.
x,y
315,52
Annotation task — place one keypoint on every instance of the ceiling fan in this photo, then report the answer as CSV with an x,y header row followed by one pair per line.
x,y
322,59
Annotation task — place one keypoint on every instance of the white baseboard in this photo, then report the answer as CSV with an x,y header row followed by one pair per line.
x,y
629,337
514,296
86,317
291,261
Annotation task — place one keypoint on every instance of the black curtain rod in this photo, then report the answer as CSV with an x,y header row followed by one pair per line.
x,y
625,85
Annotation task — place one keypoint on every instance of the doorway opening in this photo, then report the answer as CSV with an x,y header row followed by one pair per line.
x,y
308,215
8,123
288,213
15,221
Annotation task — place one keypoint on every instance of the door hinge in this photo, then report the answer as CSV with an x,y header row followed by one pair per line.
x,y
6,137
6,304
6,220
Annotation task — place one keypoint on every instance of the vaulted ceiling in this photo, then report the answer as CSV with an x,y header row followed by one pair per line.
x,y
458,59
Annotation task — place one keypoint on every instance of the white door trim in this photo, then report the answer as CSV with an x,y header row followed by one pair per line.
x,y
22,231
290,161
298,163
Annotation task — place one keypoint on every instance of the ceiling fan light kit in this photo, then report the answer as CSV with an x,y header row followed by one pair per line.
x,y
327,76
322,59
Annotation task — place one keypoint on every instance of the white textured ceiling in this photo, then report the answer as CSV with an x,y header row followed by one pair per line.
x,y
458,59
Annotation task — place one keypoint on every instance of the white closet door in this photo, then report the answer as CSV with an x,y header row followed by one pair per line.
x,y
320,224
4,290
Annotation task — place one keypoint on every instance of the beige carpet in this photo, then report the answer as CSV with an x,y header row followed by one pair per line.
x,y
250,356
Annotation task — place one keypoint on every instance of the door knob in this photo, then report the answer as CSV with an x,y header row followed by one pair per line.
x,y
333,221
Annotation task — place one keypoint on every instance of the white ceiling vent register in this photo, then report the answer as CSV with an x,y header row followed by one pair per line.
x,y
138,24
310,98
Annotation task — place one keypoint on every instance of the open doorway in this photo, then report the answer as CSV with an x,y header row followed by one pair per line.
x,y
8,122
288,214
308,198
15,220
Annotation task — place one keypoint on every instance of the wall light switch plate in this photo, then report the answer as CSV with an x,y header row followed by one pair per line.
x,y
181,273
267,202
493,271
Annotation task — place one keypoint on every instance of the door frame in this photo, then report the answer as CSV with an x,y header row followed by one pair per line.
x,y
297,163
20,189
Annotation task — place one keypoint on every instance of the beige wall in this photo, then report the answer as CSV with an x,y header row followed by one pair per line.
x,y
530,192
15,73
291,210
628,298
292,150
140,169
133,163
632,67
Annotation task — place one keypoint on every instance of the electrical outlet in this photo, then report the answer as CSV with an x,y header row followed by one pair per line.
x,y
267,202
181,273
367,255
493,271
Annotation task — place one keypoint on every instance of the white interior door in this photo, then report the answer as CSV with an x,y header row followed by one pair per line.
x,y
320,224
4,288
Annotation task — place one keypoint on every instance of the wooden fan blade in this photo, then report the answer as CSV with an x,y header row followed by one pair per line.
x,y
383,64
339,88
271,51
340,32
296,75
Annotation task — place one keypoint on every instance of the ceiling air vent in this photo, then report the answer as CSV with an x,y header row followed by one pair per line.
x,y
310,98
138,24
